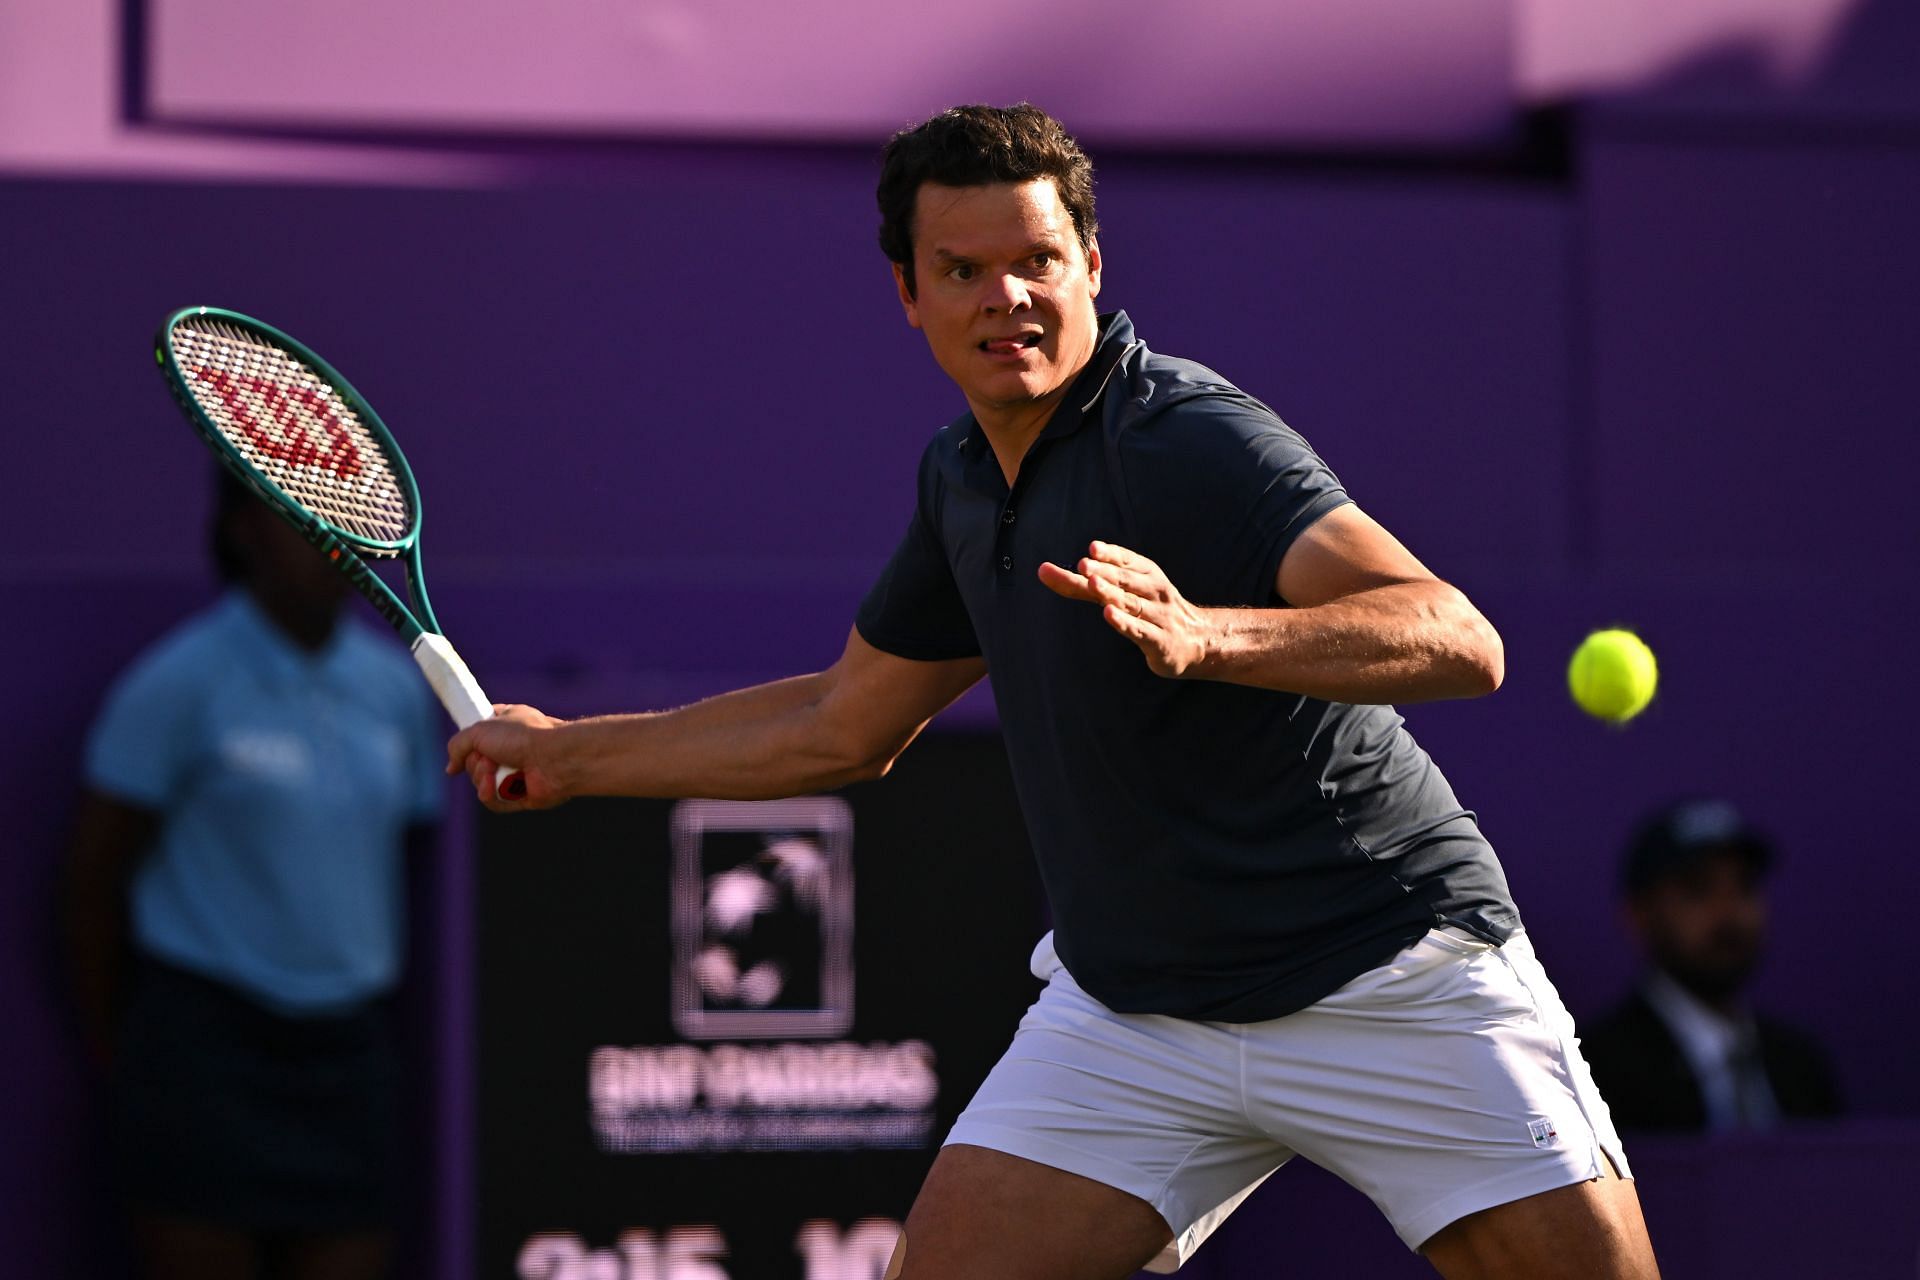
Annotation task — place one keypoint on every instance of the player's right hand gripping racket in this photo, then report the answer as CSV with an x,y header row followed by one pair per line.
x,y
302,438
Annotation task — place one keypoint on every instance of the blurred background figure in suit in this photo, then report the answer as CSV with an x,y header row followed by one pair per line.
x,y
1685,1051
235,915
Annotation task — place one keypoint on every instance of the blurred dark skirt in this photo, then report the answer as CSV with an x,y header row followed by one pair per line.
x,y
226,1112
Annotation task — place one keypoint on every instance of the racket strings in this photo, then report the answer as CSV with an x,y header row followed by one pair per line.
x,y
293,427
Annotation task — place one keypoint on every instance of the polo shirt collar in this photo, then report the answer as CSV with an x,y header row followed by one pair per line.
x,y
1083,397
1076,408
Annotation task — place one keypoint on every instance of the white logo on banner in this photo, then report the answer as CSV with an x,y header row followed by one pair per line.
x,y
762,918
763,950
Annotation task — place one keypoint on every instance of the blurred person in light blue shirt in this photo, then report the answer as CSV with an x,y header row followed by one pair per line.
x,y
236,916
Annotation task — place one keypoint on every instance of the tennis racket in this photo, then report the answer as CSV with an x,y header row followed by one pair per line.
x,y
302,438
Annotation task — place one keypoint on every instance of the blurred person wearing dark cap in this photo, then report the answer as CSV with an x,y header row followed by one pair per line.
x,y
1685,1052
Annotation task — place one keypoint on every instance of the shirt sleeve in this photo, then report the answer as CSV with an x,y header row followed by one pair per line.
x,y
914,610
1260,482
1294,489
143,741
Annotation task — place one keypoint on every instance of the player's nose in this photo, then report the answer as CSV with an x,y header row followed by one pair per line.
x,y
1007,294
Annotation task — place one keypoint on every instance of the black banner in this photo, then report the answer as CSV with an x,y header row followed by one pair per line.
x,y
722,1041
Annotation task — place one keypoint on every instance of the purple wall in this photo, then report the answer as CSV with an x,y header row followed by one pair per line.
x,y
665,413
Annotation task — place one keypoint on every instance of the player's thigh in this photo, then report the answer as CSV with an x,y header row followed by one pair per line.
x,y
1587,1231
987,1215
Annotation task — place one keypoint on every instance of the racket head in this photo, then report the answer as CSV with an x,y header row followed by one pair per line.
x,y
292,428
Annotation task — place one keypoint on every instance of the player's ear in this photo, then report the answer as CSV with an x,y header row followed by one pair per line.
x,y
1093,266
907,301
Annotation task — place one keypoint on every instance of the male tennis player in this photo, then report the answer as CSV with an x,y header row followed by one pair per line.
x,y
1276,929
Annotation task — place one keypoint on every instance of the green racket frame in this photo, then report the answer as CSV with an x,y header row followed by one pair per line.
x,y
455,686
330,539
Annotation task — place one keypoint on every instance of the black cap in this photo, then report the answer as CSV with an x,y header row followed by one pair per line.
x,y
1679,836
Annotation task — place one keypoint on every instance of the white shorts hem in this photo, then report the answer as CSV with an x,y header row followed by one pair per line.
x,y
1518,1185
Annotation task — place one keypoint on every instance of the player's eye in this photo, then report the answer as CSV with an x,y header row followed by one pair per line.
x,y
1042,261
961,271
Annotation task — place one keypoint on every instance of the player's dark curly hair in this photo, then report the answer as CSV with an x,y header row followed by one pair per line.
x,y
974,147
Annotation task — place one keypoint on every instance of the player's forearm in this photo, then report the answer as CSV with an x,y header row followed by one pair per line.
x,y
760,743
1407,642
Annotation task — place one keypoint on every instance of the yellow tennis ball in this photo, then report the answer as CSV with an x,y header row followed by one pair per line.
x,y
1613,675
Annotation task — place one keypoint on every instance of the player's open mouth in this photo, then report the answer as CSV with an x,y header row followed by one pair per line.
x,y
1011,346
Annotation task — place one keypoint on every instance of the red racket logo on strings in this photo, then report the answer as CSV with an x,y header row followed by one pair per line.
x,y
288,437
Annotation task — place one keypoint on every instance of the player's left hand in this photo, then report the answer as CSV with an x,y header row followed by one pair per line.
x,y
1138,601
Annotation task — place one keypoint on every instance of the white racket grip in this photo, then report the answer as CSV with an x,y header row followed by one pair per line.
x,y
459,693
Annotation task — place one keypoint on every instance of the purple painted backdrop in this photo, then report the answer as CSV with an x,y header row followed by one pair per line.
x,y
665,412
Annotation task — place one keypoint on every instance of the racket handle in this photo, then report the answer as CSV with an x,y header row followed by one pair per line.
x,y
509,783
461,695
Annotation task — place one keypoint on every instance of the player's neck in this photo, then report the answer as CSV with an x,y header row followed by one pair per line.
x,y
1012,428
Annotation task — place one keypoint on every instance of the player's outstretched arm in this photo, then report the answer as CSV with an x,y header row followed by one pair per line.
x,y
810,733
1368,622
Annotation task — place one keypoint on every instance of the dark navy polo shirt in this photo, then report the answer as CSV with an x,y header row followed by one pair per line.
x,y
1209,850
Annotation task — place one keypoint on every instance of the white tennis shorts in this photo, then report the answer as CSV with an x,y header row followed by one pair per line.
x,y
1444,1082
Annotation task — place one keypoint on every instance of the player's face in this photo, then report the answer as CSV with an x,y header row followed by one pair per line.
x,y
1004,292
1706,926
